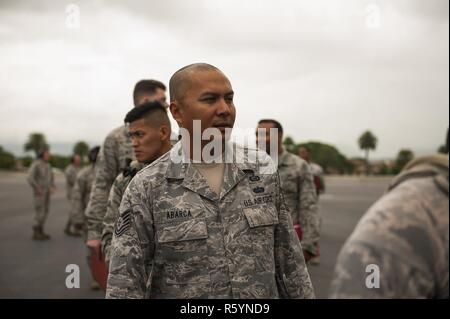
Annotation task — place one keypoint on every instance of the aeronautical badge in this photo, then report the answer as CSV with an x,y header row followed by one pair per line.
x,y
258,190
123,223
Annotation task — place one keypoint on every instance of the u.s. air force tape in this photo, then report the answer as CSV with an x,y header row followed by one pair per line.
x,y
123,223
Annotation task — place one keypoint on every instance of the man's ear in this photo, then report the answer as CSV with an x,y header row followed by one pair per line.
x,y
177,112
164,133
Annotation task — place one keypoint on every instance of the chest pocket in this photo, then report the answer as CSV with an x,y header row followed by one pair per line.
x,y
262,220
261,215
183,231
183,252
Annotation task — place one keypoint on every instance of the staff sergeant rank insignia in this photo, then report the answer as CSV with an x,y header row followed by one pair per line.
x,y
123,223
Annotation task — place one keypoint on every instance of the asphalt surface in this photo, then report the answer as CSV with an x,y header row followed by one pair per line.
x,y
30,269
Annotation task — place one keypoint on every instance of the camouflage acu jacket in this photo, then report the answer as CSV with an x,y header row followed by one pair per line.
x,y
111,160
301,197
404,237
175,238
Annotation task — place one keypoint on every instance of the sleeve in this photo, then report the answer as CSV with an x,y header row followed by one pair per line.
x,y
112,213
52,177
309,218
132,247
32,176
322,184
106,171
292,275
364,271
84,191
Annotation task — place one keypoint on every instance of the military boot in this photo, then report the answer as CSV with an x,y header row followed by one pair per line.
x,y
67,229
37,233
78,230
44,235
95,285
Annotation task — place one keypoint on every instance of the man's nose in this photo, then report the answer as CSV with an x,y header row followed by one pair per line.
x,y
223,109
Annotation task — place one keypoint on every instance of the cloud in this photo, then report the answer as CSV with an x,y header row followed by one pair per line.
x,y
314,65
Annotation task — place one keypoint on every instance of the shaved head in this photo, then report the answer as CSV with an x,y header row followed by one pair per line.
x,y
181,79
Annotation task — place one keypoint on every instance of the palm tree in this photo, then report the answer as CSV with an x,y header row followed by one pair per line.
x,y
36,142
443,149
367,141
404,157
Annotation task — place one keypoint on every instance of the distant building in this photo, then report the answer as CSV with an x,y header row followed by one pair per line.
x,y
380,167
359,165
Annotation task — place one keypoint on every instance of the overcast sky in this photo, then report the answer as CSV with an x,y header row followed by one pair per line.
x,y
327,70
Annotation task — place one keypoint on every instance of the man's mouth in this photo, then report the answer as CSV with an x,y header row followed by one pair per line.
x,y
222,125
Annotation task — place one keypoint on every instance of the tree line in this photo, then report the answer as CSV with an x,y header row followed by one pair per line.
x,y
332,161
35,143
327,156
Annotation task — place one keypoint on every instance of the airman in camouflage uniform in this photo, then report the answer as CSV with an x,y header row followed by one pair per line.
x,y
319,182
80,200
41,179
71,172
111,161
301,198
318,174
178,238
150,130
404,236
298,186
82,190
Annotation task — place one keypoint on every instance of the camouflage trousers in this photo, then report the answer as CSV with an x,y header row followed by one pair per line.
x,y
69,199
76,217
41,206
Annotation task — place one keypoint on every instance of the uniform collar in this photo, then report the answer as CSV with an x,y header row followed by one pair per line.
x,y
181,168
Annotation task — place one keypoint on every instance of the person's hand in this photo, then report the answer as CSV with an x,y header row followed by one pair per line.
x,y
95,246
307,255
298,230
